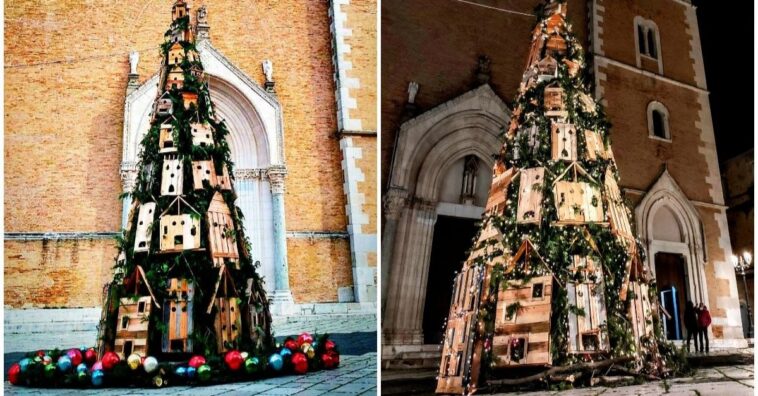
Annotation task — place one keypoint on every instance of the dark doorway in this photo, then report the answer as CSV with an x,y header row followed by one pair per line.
x,y
452,239
670,277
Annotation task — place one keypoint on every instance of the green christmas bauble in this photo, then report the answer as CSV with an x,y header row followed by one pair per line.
x,y
50,370
82,376
204,372
252,365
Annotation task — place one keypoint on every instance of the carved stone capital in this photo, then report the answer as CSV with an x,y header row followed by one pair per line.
x,y
424,205
276,178
394,202
250,174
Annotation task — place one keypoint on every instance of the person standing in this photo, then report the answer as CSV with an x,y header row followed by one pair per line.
x,y
691,324
703,321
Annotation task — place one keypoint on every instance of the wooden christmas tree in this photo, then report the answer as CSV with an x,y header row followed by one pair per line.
x,y
555,276
184,271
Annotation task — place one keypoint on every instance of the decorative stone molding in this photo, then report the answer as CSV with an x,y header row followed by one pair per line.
x,y
128,176
276,177
394,202
58,236
250,174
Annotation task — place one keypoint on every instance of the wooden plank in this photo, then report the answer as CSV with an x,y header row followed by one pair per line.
x,y
143,236
563,141
172,179
202,170
530,195
592,203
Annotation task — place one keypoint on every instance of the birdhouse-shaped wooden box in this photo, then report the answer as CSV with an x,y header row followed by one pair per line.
x,y
256,316
197,72
522,318
586,301
499,190
179,10
202,134
577,202
164,106
588,104
166,141
172,179
461,355
571,66
222,238
548,69
203,171
563,141
175,54
595,147
228,320
133,319
189,99
554,101
179,232
530,136
531,184
144,221
618,212
556,45
175,78
222,178
177,316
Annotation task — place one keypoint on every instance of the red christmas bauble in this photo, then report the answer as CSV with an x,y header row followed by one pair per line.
x,y
335,357
90,356
196,361
291,344
329,345
41,353
110,359
300,363
327,361
234,360
14,374
304,337
75,356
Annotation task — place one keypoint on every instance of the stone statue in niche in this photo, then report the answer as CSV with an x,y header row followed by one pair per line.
x,y
202,15
468,187
133,61
268,70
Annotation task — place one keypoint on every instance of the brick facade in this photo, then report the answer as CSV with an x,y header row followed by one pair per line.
x,y
66,71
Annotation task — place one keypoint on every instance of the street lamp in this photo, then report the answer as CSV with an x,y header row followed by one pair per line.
x,y
742,264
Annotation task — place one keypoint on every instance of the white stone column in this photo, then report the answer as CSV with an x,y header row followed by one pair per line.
x,y
281,300
128,182
394,203
403,316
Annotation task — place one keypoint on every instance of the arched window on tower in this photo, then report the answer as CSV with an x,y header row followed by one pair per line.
x,y
647,40
658,121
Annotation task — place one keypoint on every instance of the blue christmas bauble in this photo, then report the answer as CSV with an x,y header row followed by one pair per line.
x,y
285,352
181,371
191,372
24,363
81,368
276,362
64,363
98,377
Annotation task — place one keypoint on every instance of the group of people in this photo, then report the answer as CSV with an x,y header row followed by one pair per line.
x,y
696,321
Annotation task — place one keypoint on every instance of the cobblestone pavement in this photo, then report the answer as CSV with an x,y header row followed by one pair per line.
x,y
716,381
355,336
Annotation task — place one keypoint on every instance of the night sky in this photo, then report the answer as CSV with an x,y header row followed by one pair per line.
x,y
726,34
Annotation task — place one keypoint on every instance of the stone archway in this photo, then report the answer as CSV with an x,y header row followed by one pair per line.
x,y
254,119
427,146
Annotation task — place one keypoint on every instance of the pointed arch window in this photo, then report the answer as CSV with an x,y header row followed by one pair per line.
x,y
658,121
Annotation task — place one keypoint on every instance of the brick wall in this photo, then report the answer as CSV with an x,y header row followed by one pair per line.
x,y
66,112
438,48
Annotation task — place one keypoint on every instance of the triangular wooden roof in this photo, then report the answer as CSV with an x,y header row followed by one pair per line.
x,y
226,280
135,277
218,204
176,45
526,248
